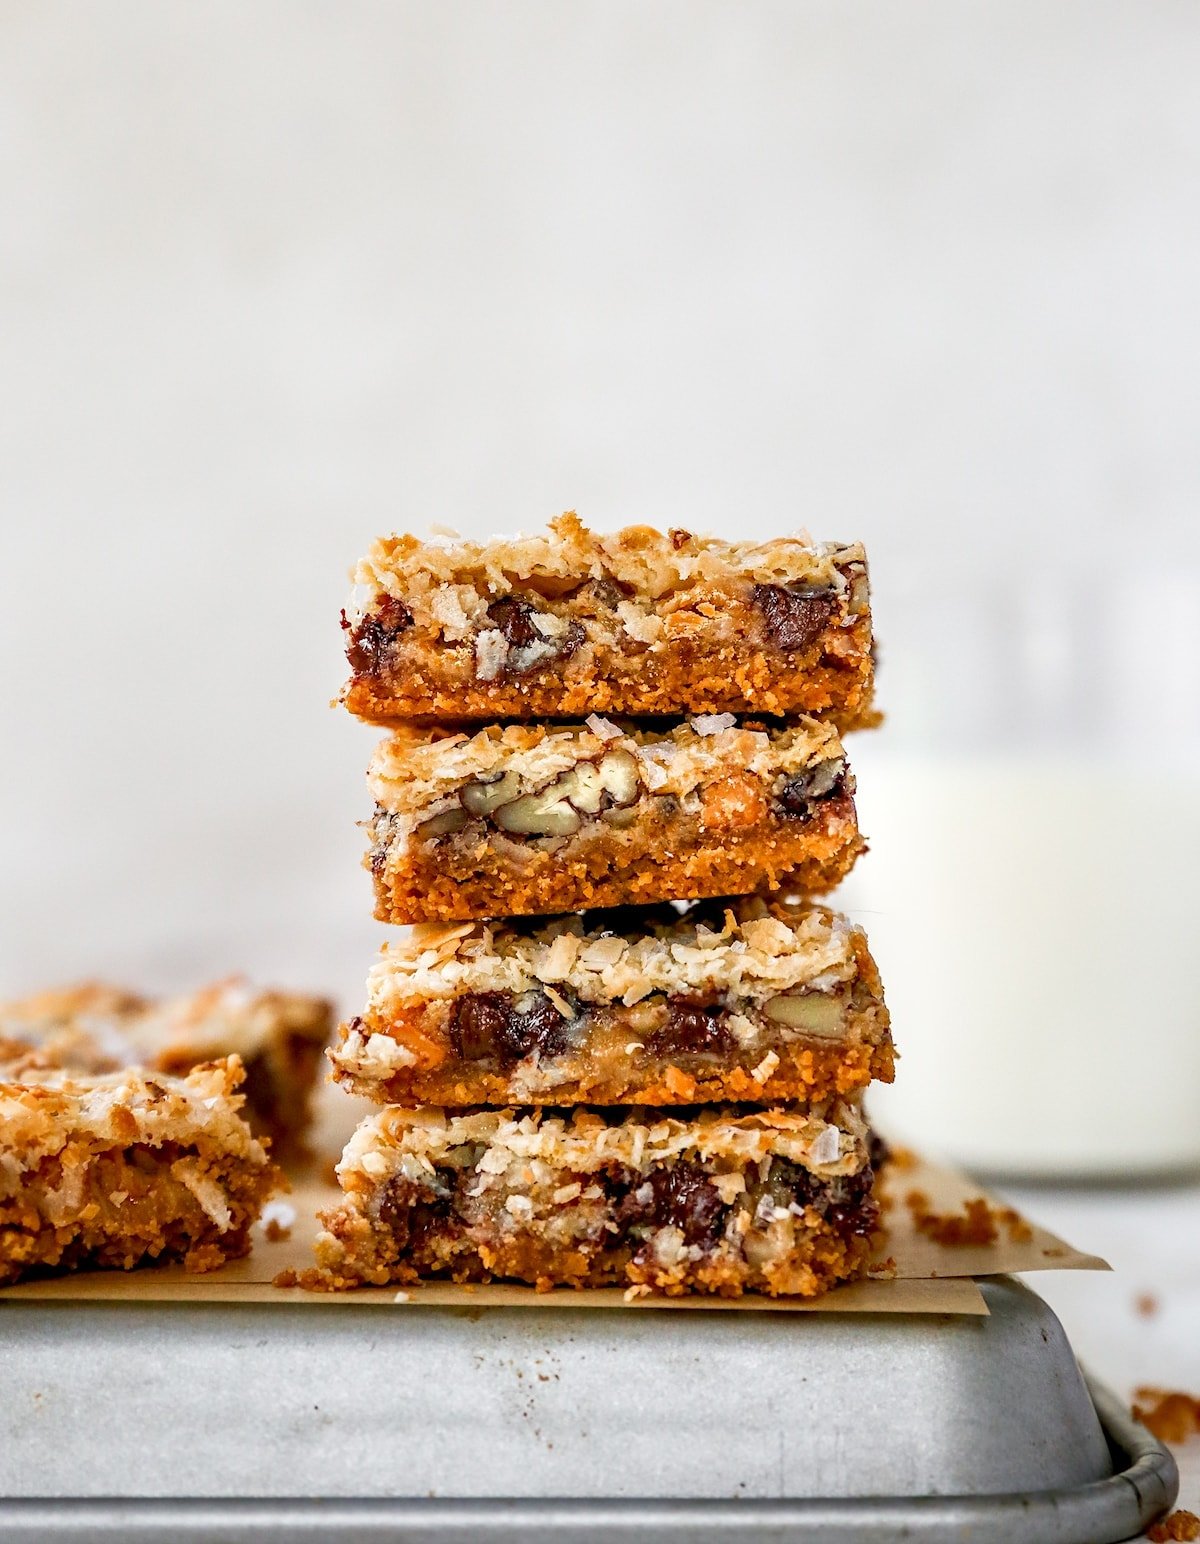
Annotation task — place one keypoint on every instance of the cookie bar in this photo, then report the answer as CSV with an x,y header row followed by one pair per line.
x,y
738,1000
125,1168
520,820
278,1035
637,622
720,1199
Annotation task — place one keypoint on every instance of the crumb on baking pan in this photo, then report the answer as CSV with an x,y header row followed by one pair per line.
x,y
977,1223
1179,1526
1170,1415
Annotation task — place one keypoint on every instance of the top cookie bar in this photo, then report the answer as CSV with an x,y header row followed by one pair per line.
x,y
635,622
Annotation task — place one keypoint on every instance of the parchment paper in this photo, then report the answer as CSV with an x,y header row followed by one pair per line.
x,y
928,1277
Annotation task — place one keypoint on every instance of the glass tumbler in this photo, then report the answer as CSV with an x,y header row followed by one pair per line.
x,y
1032,892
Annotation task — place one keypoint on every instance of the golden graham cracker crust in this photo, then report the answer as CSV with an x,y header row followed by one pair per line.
x,y
636,622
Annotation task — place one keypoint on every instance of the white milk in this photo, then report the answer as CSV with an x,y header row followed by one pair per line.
x,y
1037,926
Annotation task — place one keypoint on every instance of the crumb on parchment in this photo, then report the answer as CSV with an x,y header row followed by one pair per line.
x,y
1170,1415
978,1223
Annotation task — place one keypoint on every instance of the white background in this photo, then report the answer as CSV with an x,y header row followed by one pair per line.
x,y
277,277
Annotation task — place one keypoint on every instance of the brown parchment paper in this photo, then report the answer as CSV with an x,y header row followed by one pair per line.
x,y
914,1274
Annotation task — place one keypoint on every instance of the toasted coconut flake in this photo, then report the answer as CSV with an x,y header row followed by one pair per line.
x,y
603,728
706,724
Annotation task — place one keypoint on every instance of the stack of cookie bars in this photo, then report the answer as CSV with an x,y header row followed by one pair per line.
x,y
620,1045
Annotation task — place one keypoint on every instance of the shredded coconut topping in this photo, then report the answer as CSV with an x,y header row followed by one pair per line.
x,y
713,723
752,951
603,728
510,1142
663,572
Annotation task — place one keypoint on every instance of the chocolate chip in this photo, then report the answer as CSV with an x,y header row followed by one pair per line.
x,y
414,1214
799,796
527,646
692,1029
485,1026
566,643
794,616
679,1196
606,593
479,1024
792,1182
842,1201
543,1029
513,618
395,1202
369,649
848,1204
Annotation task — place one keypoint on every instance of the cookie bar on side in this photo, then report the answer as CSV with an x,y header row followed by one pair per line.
x,y
127,1168
721,1199
737,1000
278,1035
637,622
521,820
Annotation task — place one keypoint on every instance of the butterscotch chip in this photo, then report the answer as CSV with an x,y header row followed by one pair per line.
x,y
720,1199
732,1000
119,1170
637,622
279,1037
519,820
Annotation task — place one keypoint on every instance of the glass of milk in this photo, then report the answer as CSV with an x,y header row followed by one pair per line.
x,y
1032,892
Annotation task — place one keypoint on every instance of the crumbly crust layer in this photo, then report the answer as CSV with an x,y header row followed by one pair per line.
x,y
713,1200
518,821
668,858
637,621
93,1027
116,1170
730,1001
798,1072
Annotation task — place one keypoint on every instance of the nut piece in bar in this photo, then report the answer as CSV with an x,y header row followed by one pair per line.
x,y
635,622
125,1169
732,1000
521,820
719,1199
279,1037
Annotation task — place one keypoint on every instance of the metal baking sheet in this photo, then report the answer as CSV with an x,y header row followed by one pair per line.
x,y
467,1424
